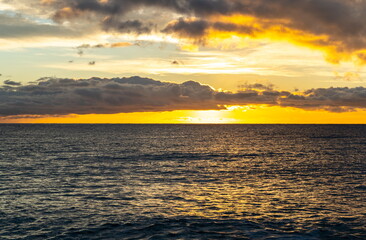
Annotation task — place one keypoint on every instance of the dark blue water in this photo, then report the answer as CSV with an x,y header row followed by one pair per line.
x,y
183,182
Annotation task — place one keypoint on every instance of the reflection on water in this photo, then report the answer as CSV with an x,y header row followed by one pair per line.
x,y
182,181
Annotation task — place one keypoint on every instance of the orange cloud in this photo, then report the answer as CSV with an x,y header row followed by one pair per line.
x,y
220,31
120,44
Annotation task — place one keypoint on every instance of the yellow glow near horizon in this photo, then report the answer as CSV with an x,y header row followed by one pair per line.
x,y
211,116
253,114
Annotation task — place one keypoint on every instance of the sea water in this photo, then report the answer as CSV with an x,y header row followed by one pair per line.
x,y
182,181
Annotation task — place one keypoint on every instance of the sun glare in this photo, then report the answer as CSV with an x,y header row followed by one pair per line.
x,y
211,116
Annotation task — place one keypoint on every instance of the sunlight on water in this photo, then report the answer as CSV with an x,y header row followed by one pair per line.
x,y
182,182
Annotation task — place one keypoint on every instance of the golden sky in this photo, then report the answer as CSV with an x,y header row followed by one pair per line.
x,y
223,61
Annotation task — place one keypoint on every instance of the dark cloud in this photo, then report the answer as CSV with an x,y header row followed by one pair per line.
x,y
191,29
12,83
129,26
331,97
92,63
73,8
55,96
177,62
335,24
198,29
95,95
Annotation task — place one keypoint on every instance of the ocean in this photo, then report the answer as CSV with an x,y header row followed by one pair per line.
x,y
182,181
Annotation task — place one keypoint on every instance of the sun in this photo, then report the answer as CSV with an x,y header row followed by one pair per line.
x,y
210,117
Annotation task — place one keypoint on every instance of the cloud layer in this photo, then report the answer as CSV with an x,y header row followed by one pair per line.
x,y
55,96
335,27
18,27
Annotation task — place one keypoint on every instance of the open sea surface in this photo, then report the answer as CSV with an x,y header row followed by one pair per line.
x,y
182,181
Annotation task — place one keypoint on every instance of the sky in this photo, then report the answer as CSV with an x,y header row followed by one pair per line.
x,y
182,61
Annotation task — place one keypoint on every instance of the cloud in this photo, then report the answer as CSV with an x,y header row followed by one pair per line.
x,y
329,98
12,83
335,27
66,96
73,8
175,62
60,96
80,48
185,28
129,26
257,86
347,76
119,44
18,27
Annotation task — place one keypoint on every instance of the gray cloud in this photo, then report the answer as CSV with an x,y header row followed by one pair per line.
x,y
80,49
258,86
16,27
339,24
330,97
198,29
192,29
114,15
121,7
12,83
95,95
129,26
55,96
